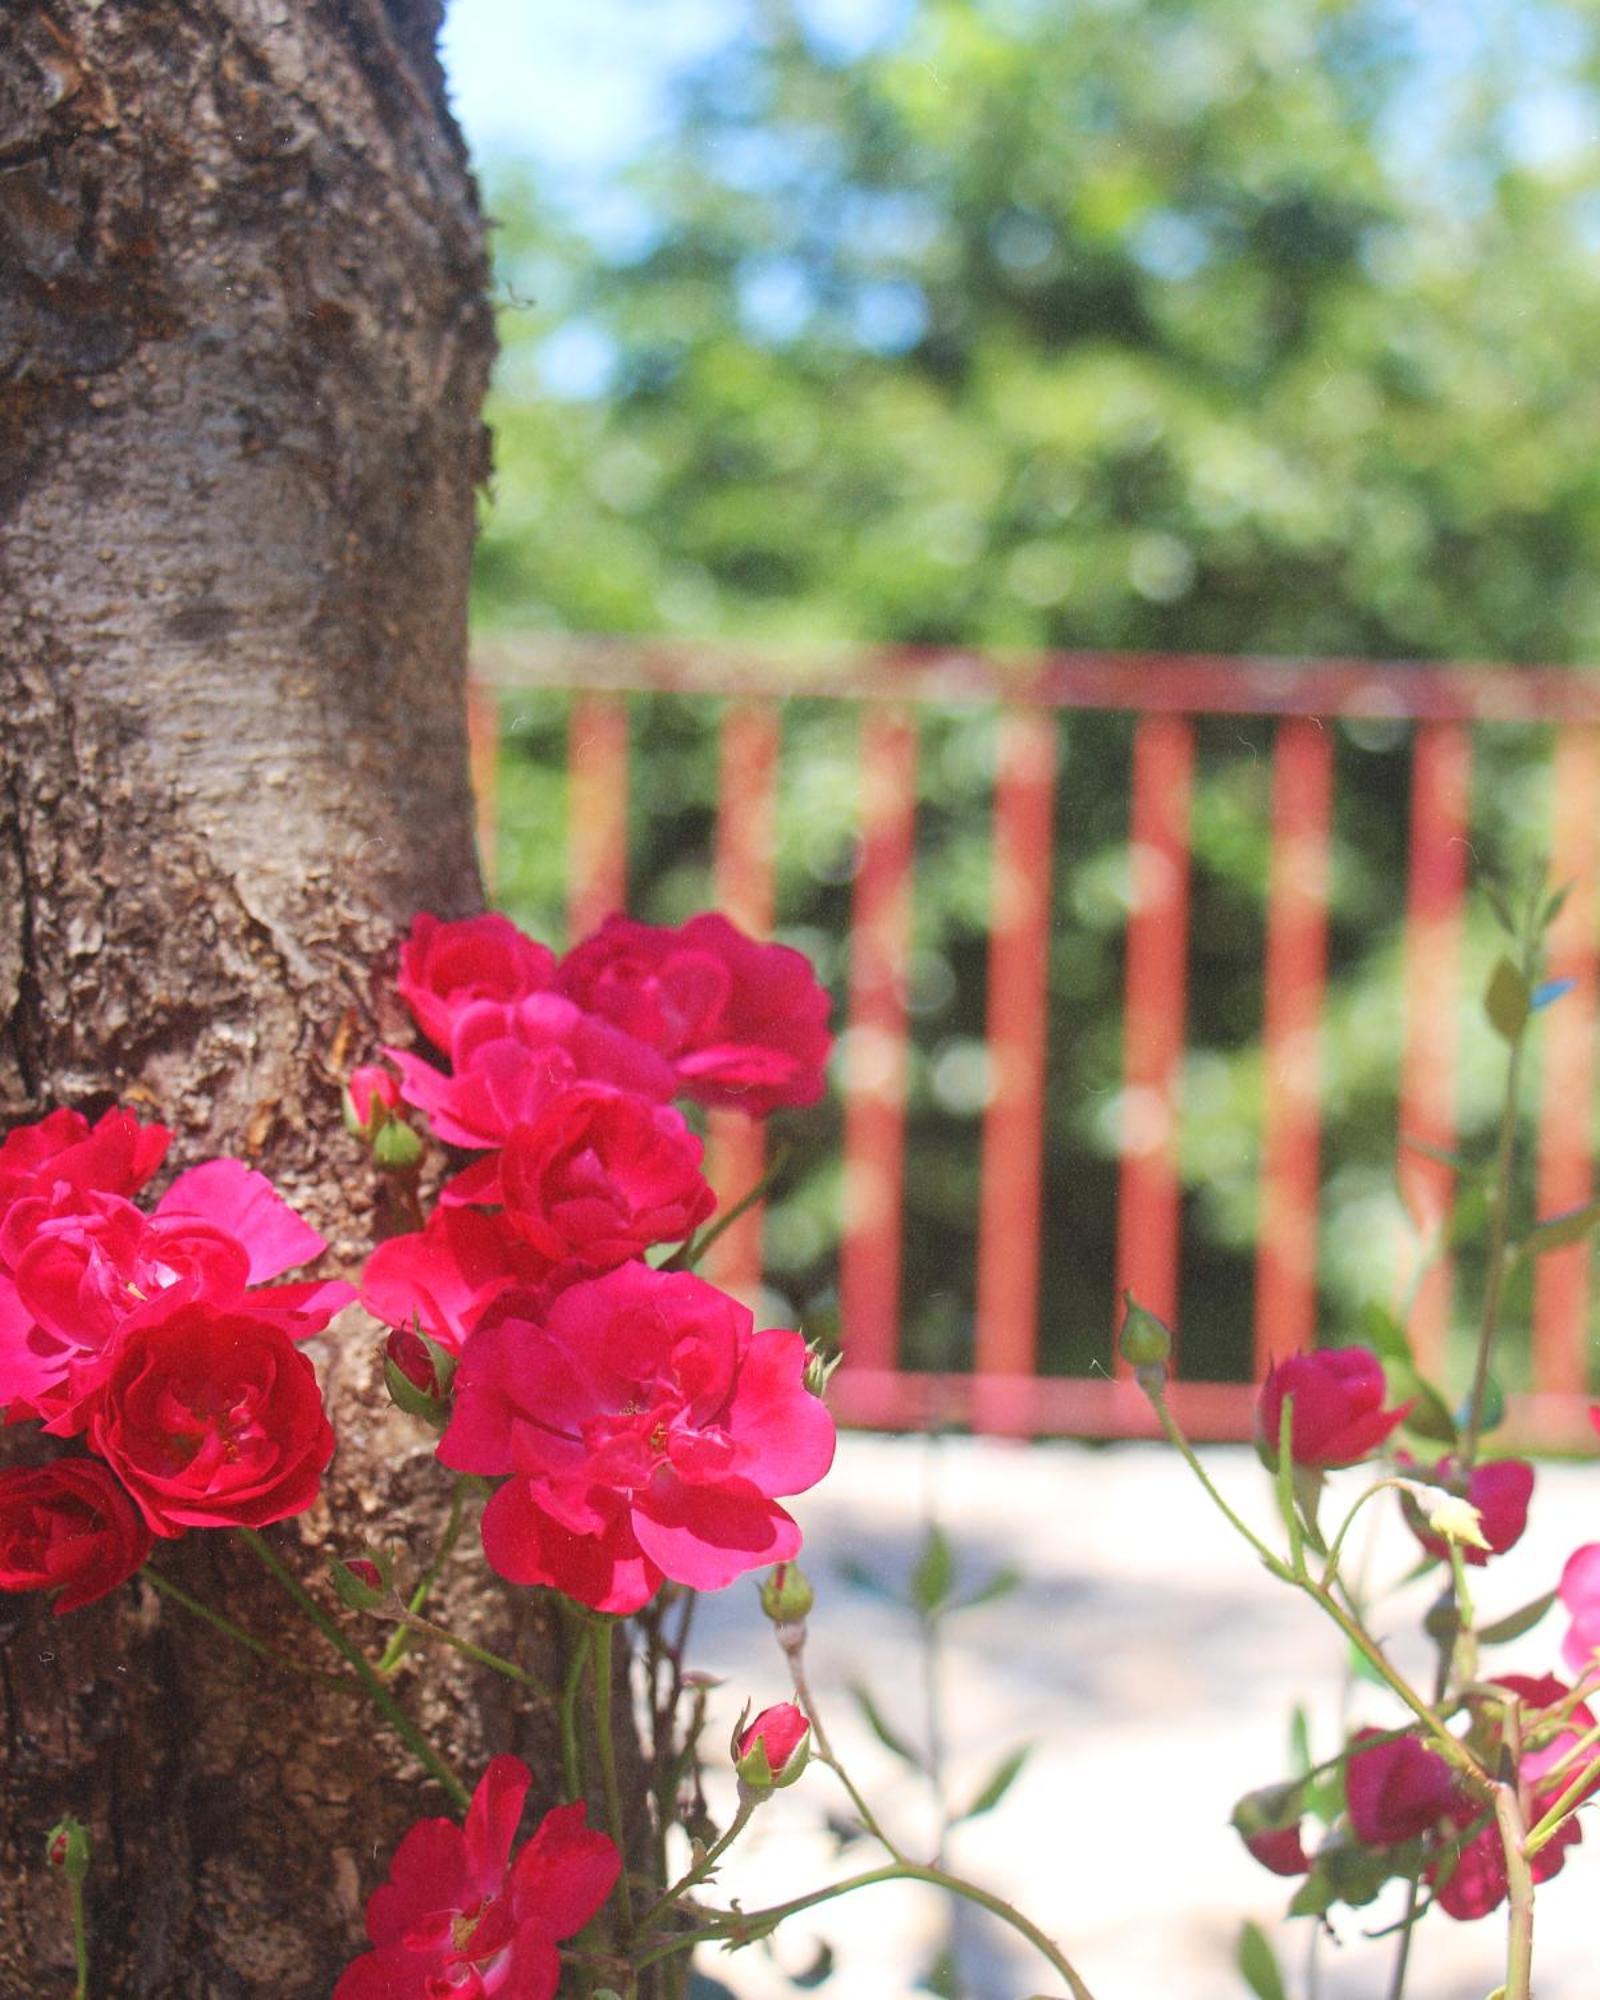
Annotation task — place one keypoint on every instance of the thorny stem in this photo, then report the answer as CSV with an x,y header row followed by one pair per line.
x,y
1451,1746
742,1926
80,1940
241,1637
792,1638
1519,1883
1467,1453
395,1651
366,1673
703,1867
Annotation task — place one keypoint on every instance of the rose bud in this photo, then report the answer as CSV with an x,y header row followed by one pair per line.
x,y
1268,1822
418,1372
67,1847
1499,1491
362,1583
786,1595
772,1751
370,1098
1396,1790
1338,1414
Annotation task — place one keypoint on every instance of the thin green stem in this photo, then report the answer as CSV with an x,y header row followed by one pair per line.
x,y
80,1940
600,1656
241,1637
746,1925
824,1750
582,1637
1175,1437
395,1651
693,1252
426,1628
365,1672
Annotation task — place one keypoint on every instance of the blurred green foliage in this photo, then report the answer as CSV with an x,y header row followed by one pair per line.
x,y
1169,324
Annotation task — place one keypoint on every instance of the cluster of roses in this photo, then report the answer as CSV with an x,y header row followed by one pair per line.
x,y
157,1338
1403,1809
642,1428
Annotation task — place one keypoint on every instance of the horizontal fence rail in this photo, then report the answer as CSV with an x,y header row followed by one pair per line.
x,y
1004,1391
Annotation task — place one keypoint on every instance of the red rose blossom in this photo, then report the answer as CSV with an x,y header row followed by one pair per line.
x,y
444,967
1499,1489
448,1273
116,1155
84,1265
742,1023
1469,1875
509,1061
68,1527
597,1178
1396,1790
459,1919
648,1430
1338,1418
212,1420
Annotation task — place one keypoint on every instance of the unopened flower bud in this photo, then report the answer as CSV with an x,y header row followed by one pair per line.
x,y
418,1373
370,1098
786,1594
1144,1342
396,1148
363,1583
772,1751
68,1848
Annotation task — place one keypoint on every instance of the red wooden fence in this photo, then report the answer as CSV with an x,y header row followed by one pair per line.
x,y
1004,1392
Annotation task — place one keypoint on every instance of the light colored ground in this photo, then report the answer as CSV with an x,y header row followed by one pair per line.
x,y
1156,1664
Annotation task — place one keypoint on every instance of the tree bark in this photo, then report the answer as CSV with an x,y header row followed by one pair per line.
x,y
244,341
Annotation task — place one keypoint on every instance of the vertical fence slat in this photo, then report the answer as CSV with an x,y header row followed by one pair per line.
x,y
483,768
746,811
597,811
1017,1025
1566,1174
1154,1013
875,1048
1296,968
1441,780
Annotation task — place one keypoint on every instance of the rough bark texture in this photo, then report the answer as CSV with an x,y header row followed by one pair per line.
x,y
243,348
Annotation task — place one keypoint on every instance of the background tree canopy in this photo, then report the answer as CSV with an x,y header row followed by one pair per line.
x,y
1169,324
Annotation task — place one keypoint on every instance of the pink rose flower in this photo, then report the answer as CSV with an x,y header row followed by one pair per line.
x,y
449,1273
743,1024
459,1917
212,1420
648,1430
444,967
85,1265
1338,1418
1396,1790
116,1155
1579,1591
598,1177
509,1061
1500,1490
68,1527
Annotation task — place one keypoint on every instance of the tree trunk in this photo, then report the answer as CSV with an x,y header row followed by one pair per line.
x,y
244,342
